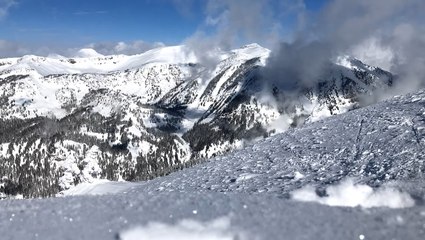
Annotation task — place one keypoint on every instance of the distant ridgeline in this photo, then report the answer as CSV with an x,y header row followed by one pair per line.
x,y
137,117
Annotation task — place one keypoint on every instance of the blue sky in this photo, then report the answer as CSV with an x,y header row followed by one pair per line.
x,y
92,20
80,22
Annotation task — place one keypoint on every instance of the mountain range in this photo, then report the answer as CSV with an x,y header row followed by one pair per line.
x,y
66,121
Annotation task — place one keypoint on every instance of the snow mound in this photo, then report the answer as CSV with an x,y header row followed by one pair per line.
x,y
349,194
217,229
88,53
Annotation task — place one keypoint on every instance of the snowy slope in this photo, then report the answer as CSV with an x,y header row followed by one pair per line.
x,y
250,194
380,145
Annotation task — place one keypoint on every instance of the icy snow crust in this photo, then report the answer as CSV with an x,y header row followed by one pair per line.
x,y
249,194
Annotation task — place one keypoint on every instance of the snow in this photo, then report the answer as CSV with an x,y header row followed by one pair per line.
x,y
88,53
320,111
134,215
298,175
89,61
100,136
171,55
186,229
281,124
350,194
104,110
252,50
246,176
208,202
251,187
98,187
345,61
3,149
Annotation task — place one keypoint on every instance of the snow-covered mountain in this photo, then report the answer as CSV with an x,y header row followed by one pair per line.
x,y
259,192
70,120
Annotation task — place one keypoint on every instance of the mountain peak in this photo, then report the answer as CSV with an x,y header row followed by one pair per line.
x,y
352,63
87,53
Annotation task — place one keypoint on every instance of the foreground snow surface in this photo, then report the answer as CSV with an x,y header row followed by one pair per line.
x,y
371,160
212,215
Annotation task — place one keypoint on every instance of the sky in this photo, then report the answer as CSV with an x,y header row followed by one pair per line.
x,y
43,26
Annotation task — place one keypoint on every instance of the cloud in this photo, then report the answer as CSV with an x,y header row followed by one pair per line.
x,y
381,24
11,49
184,7
297,64
393,30
240,22
91,12
373,52
127,48
385,33
5,6
408,43
228,24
